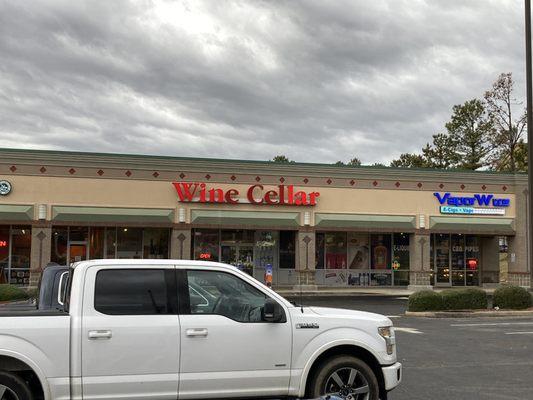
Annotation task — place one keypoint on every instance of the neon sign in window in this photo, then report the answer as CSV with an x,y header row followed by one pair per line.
x,y
3,243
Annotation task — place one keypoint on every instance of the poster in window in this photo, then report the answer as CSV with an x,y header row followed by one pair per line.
x,y
358,251
381,249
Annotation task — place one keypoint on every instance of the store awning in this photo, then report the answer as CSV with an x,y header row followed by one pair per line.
x,y
497,226
365,221
9,212
242,218
111,214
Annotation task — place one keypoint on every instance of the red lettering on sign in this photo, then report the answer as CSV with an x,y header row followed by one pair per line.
x,y
205,256
3,243
189,192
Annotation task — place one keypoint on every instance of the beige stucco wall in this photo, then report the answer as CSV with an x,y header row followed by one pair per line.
x,y
155,194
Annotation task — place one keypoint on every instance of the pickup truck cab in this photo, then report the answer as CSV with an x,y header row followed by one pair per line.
x,y
176,329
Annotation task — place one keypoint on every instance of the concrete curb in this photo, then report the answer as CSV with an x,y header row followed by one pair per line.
x,y
470,314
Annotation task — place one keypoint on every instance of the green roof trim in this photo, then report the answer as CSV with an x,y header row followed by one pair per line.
x,y
111,214
10,212
59,154
365,221
241,218
473,225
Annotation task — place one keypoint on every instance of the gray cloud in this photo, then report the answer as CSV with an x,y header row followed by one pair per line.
x,y
318,81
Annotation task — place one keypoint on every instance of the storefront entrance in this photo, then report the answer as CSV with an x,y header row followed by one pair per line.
x,y
77,251
455,259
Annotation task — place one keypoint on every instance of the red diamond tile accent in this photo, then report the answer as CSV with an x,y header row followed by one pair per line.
x,y
233,177
208,177
441,185
257,178
43,170
306,180
155,174
397,184
375,183
419,185
504,188
13,168
463,187
282,179
352,182
329,181
72,171
484,187
182,175
100,172
128,173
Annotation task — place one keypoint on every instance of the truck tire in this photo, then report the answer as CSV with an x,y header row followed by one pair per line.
x,y
344,376
12,387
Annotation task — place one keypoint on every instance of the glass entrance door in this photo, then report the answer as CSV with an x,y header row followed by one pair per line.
x,y
77,251
442,260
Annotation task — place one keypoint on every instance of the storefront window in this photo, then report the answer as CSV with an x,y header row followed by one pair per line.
x,y
358,251
97,243
319,250
15,252
336,250
155,243
401,259
287,249
458,260
111,242
237,236
266,248
381,251
59,245
129,242
206,244
472,255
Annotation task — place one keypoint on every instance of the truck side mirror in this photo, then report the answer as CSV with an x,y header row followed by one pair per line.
x,y
273,312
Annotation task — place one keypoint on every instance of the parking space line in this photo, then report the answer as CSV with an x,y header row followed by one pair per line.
x,y
393,316
494,324
408,330
519,333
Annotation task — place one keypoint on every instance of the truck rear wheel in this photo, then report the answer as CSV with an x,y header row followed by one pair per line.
x,y
13,387
345,376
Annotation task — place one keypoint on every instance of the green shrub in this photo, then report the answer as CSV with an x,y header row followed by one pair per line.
x,y
32,293
425,300
512,297
464,299
10,293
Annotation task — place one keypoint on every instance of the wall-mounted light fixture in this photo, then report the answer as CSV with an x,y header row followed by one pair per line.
x,y
41,212
181,215
422,221
307,218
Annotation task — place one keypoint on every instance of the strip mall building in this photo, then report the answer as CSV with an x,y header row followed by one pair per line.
x,y
312,224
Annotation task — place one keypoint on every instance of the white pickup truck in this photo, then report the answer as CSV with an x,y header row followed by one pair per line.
x,y
164,329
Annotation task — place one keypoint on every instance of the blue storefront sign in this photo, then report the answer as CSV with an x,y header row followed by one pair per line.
x,y
477,204
481,200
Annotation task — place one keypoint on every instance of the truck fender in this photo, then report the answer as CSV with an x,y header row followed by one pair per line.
x,y
29,362
323,343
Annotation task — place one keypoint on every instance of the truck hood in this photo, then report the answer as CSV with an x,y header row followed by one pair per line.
x,y
351,314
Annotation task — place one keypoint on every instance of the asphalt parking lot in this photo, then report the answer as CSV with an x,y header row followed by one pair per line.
x,y
454,359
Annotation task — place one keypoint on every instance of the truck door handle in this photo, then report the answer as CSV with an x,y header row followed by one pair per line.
x,y
196,332
95,335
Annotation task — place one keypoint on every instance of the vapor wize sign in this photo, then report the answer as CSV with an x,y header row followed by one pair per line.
x,y
477,204
193,192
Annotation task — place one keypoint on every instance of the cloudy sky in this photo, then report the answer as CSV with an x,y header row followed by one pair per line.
x,y
319,81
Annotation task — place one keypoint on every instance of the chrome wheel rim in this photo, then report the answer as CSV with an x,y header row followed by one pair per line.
x,y
348,383
7,394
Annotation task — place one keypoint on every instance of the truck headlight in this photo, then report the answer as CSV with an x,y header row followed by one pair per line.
x,y
387,333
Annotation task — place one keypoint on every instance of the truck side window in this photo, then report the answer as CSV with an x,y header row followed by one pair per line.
x,y
131,292
220,293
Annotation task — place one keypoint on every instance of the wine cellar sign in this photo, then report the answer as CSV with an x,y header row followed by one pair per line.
x,y
194,192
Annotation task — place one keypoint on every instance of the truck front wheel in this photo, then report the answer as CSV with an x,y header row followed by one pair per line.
x,y
345,376
13,387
